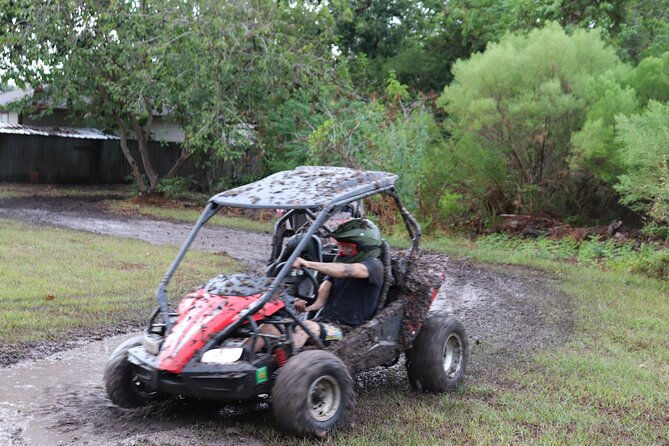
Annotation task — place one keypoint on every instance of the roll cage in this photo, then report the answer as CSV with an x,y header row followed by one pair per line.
x,y
321,192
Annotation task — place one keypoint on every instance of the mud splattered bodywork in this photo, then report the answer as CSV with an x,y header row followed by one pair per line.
x,y
392,331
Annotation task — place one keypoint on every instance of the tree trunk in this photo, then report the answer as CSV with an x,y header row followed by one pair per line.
x,y
142,142
128,156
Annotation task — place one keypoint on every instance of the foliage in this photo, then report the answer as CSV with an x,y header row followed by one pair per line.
x,y
594,147
378,37
650,79
212,67
645,152
646,259
176,186
644,29
513,110
392,133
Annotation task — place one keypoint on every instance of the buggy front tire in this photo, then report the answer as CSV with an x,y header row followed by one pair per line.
x,y
438,359
312,393
122,387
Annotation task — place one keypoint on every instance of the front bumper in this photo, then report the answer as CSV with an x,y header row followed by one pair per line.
x,y
236,381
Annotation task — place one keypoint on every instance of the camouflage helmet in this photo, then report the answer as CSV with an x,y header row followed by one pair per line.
x,y
364,234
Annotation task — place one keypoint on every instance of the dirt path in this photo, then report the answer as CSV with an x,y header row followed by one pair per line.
x,y
213,239
509,314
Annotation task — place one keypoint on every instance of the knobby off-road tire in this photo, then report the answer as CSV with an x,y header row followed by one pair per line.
x,y
312,393
438,359
119,380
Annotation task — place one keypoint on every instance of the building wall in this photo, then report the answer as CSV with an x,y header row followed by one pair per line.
x,y
163,130
59,118
9,117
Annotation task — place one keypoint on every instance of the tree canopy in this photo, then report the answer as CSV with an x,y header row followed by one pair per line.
x,y
482,107
208,65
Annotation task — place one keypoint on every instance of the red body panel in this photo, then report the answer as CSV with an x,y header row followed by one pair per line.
x,y
200,317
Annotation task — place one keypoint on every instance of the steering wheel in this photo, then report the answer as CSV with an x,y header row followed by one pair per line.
x,y
311,276
308,277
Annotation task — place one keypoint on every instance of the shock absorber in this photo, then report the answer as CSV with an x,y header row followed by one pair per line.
x,y
280,357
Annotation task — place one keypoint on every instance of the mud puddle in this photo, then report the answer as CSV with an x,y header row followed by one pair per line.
x,y
60,400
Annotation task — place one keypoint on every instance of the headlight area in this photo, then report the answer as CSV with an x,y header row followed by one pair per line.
x,y
224,355
151,344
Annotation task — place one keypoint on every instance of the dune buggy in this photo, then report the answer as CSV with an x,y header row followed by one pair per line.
x,y
206,348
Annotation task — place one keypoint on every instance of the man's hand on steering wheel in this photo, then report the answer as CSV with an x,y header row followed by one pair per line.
x,y
299,263
300,305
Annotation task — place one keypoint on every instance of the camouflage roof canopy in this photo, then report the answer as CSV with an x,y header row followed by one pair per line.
x,y
306,187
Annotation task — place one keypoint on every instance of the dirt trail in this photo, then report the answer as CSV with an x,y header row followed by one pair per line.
x,y
213,239
60,399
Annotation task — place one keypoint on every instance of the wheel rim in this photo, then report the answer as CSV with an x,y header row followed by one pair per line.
x,y
324,398
453,354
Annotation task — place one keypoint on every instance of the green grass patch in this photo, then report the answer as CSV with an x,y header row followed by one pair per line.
x,y
189,215
54,280
19,190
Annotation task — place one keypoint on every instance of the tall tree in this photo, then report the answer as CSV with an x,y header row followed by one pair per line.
x,y
513,111
213,67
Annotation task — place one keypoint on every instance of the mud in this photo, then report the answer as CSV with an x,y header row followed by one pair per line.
x,y
510,313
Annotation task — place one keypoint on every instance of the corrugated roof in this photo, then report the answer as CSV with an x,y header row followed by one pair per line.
x,y
306,187
63,132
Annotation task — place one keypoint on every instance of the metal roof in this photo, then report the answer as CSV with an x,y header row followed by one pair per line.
x,y
306,187
63,132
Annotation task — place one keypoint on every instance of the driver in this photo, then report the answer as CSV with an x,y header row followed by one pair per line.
x,y
350,291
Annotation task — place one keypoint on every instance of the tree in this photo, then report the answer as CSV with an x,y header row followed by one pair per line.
x,y
650,79
513,111
645,152
393,133
213,67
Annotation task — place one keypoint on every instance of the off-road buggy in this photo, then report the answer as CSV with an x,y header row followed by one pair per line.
x,y
206,348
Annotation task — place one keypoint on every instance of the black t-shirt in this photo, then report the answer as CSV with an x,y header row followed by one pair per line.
x,y
353,301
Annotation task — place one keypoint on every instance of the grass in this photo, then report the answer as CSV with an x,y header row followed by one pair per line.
x,y
18,190
56,280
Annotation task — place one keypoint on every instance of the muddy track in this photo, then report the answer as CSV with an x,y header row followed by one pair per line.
x,y
510,313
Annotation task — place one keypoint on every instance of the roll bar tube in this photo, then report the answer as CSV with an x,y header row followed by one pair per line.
x,y
409,221
255,306
161,293
212,208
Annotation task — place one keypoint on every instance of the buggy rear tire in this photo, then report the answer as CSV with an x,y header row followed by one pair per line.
x,y
438,359
312,393
122,387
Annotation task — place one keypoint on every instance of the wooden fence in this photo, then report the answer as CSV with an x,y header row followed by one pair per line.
x,y
52,159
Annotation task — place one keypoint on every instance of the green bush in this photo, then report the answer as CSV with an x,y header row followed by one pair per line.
x,y
647,259
513,111
645,151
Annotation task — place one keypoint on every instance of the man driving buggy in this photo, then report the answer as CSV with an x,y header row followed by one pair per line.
x,y
350,291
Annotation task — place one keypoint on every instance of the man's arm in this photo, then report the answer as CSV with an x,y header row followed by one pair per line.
x,y
321,300
338,270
